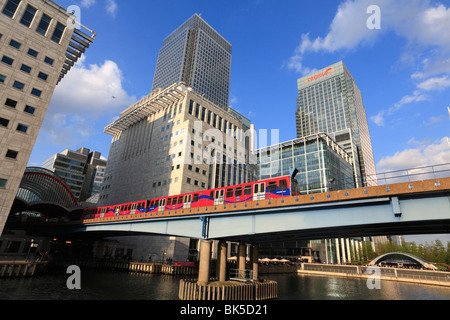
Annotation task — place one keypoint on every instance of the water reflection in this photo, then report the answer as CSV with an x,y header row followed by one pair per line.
x,y
101,285
307,287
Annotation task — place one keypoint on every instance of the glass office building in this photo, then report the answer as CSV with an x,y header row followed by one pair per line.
x,y
329,101
321,163
200,57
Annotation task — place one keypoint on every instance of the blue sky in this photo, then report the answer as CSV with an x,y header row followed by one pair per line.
x,y
402,69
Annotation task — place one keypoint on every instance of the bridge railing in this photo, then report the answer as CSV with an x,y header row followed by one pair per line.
x,y
434,172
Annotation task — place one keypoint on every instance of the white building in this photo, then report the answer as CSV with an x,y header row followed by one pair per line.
x,y
37,48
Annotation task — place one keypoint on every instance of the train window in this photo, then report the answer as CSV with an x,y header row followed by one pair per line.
x,y
256,188
195,198
247,190
229,193
174,200
169,201
283,184
133,206
156,203
151,204
211,195
272,187
180,199
238,192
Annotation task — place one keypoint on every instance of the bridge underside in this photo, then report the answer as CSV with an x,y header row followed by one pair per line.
x,y
418,214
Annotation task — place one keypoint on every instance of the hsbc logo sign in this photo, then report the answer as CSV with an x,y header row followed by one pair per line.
x,y
320,75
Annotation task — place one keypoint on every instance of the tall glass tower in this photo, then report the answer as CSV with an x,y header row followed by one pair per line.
x,y
330,102
198,56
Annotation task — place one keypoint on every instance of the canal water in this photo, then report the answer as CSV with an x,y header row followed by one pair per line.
x,y
108,285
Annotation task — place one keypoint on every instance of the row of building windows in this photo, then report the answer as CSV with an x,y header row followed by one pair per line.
x,y
13,104
31,52
188,181
211,118
20,127
28,16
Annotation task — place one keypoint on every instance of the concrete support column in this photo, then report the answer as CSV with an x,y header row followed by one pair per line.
x,y
255,262
242,256
241,259
349,255
344,259
223,261
205,259
338,254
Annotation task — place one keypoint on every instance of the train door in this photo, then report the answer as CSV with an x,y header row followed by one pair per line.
x,y
133,208
117,211
219,197
259,191
162,205
187,201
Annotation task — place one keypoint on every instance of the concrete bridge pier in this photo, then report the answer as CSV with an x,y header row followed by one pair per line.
x,y
205,258
238,289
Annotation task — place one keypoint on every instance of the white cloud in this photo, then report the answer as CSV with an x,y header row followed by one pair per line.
x,y
423,24
111,7
440,83
87,3
87,94
416,97
436,153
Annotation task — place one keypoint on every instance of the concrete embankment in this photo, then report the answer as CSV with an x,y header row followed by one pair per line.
x,y
130,266
21,268
438,278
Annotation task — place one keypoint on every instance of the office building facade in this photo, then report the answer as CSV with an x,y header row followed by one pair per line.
x,y
81,170
321,163
171,142
329,101
37,48
198,56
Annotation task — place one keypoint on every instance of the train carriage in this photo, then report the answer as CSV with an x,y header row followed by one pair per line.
x,y
252,191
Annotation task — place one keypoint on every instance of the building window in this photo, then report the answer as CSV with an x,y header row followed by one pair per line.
x,y
11,103
2,78
7,60
43,25
28,16
11,154
15,44
42,76
36,92
33,53
11,8
29,109
22,128
4,122
3,183
18,85
49,61
25,68
57,34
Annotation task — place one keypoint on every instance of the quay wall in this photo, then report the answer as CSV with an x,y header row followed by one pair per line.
x,y
21,269
130,266
438,278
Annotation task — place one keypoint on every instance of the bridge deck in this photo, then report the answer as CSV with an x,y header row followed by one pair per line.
x,y
391,190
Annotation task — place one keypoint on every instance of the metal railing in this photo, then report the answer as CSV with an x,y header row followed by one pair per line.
x,y
433,172
245,275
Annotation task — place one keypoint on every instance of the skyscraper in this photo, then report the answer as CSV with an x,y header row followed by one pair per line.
x,y
81,170
37,48
330,102
198,56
